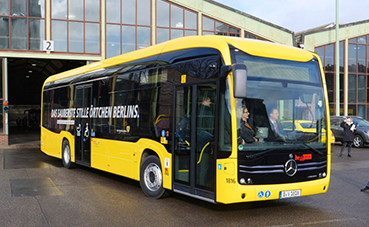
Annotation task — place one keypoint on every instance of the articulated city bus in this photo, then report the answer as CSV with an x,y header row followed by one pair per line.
x,y
176,117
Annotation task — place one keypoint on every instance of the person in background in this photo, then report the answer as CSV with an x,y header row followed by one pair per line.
x,y
245,132
348,135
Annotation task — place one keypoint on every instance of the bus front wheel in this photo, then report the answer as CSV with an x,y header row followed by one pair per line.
x,y
66,155
151,177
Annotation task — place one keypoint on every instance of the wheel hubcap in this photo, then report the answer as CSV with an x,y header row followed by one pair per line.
x,y
153,177
66,154
357,142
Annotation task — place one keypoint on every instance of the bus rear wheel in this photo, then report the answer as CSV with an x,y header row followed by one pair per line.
x,y
66,155
151,177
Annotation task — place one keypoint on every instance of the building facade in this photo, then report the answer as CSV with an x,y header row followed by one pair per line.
x,y
39,38
353,64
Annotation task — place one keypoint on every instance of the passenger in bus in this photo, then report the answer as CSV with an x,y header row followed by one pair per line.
x,y
246,132
276,125
206,117
205,136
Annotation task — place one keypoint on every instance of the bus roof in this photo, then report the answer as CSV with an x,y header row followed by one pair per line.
x,y
221,43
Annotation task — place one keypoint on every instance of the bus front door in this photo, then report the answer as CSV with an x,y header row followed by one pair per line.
x,y
82,125
194,154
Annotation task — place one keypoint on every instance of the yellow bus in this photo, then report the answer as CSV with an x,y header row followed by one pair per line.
x,y
172,116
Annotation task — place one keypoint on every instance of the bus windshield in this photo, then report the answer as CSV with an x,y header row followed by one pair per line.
x,y
284,105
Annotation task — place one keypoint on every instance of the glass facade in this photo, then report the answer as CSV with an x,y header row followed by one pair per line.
x,y
327,56
75,26
22,24
357,78
174,21
128,26
214,27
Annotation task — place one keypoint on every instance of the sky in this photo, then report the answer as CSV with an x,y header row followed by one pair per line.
x,y
301,15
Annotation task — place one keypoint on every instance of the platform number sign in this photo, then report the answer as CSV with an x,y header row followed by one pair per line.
x,y
48,45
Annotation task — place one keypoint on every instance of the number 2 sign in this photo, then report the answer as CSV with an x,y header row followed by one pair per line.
x,y
48,45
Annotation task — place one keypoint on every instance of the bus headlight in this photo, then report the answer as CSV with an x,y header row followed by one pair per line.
x,y
249,181
242,181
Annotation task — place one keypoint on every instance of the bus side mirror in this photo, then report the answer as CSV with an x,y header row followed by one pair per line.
x,y
239,80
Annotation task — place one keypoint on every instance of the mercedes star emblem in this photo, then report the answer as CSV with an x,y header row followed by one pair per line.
x,y
290,167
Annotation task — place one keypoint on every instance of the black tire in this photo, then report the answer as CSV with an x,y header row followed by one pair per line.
x,y
358,141
151,177
66,155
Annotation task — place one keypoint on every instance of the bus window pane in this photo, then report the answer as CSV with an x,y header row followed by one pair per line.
x,y
112,40
75,37
59,9
143,37
176,33
128,11
361,58
92,43
19,8
176,17
59,35
190,20
162,34
352,88
19,34
352,58
36,8
4,9
329,57
162,12
128,39
143,12
113,11
92,10
207,24
75,10
36,34
361,89
4,34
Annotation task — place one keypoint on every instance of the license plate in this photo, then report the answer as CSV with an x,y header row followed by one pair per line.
x,y
289,194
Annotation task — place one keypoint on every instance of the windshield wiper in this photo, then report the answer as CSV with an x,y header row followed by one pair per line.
x,y
252,156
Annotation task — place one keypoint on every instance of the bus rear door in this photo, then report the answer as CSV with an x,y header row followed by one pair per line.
x,y
82,125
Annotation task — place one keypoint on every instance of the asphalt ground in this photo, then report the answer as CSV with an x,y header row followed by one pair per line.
x,y
36,190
